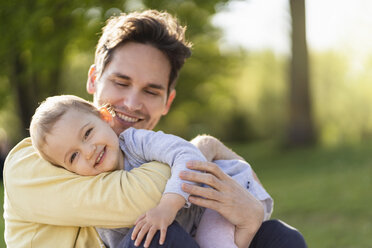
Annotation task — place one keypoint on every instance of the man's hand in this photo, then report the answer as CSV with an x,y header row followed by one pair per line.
x,y
158,218
226,197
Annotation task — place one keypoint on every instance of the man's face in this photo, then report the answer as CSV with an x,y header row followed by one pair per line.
x,y
135,84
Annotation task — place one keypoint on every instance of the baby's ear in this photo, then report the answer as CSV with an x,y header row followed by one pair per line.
x,y
105,115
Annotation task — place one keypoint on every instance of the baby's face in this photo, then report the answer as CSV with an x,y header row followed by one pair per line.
x,y
83,143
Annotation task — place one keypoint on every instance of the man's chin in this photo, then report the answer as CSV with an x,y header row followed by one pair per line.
x,y
121,128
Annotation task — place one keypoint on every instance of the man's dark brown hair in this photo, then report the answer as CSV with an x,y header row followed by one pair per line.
x,y
159,29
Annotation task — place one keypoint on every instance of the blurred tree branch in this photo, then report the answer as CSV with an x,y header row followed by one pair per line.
x,y
40,33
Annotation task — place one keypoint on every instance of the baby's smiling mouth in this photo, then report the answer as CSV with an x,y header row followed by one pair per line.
x,y
100,156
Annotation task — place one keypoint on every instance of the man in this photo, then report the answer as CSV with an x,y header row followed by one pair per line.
x,y
137,61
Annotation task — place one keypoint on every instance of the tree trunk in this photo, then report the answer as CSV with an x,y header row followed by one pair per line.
x,y
30,88
25,93
301,128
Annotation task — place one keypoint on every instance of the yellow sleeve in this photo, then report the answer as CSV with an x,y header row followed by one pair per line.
x,y
42,193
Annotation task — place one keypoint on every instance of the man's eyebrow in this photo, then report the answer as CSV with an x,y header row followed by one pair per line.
x,y
156,86
121,76
80,134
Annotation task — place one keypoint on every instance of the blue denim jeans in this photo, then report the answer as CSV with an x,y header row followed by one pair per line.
x,y
277,234
272,234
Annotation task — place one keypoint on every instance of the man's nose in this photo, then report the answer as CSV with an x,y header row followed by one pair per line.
x,y
133,101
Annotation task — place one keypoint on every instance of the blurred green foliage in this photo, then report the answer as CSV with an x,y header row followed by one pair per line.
x,y
342,90
234,95
49,46
37,36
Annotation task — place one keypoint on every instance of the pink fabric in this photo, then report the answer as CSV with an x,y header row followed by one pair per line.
x,y
214,231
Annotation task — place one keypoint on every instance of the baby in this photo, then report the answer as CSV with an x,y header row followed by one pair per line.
x,y
72,133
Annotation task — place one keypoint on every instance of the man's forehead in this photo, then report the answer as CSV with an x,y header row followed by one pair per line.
x,y
139,54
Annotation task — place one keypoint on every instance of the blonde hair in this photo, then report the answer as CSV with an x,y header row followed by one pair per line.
x,y
49,112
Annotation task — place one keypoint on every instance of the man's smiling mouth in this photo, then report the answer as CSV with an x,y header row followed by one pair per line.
x,y
126,118
122,116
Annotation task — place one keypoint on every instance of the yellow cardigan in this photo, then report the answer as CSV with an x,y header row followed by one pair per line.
x,y
47,206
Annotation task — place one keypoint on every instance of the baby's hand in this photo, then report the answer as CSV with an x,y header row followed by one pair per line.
x,y
213,149
158,218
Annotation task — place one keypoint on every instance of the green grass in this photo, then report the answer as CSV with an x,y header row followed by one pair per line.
x,y
322,192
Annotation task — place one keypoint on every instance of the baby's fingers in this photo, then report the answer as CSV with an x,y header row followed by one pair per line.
x,y
150,235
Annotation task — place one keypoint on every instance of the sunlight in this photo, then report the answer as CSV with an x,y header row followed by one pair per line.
x,y
265,24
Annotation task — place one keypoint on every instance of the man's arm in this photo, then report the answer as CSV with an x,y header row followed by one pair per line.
x,y
42,193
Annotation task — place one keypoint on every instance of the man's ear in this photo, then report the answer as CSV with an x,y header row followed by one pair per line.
x,y
91,83
172,95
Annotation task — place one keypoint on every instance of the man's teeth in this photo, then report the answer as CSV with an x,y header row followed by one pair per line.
x,y
126,118
100,156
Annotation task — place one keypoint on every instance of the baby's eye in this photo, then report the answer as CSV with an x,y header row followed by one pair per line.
x,y
72,158
86,135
